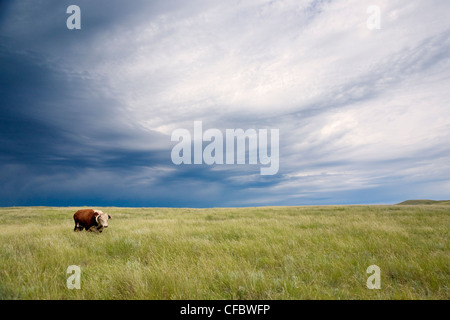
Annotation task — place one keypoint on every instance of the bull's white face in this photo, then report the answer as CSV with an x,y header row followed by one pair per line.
x,y
102,220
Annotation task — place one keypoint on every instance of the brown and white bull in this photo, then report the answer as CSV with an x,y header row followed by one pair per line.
x,y
90,220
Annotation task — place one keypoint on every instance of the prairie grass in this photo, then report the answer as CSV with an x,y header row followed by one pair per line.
x,y
319,252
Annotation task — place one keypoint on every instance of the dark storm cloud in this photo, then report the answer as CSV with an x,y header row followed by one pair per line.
x,y
64,143
49,117
61,137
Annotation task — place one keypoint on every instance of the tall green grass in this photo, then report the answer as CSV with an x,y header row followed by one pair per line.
x,y
244,253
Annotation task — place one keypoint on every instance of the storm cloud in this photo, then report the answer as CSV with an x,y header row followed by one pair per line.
x,y
86,115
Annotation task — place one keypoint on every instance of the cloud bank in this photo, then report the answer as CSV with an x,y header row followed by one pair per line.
x,y
86,115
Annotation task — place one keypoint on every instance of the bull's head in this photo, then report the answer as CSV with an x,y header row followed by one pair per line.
x,y
102,220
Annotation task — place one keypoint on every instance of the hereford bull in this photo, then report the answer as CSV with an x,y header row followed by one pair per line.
x,y
90,220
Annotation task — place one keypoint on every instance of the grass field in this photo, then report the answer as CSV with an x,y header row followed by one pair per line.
x,y
317,252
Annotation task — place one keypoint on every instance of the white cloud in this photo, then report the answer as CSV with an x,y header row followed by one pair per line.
x,y
265,58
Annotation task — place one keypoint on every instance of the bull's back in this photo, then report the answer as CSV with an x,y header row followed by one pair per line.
x,y
84,216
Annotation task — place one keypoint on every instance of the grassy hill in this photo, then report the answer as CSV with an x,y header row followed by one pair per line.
x,y
318,252
425,202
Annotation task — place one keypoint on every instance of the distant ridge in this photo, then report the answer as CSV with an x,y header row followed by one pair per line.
x,y
417,202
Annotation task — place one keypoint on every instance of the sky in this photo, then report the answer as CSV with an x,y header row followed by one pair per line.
x,y
86,115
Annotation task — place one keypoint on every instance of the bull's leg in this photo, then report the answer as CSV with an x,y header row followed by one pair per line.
x,y
77,227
